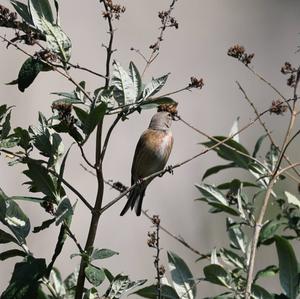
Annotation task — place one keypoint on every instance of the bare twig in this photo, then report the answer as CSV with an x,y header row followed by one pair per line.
x,y
77,66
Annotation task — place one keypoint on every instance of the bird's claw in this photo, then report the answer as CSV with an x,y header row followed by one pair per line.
x,y
170,169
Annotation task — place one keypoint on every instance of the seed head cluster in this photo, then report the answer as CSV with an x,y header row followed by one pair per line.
x,y
278,107
239,52
113,11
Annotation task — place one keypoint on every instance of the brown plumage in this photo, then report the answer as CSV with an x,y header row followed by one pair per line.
x,y
151,155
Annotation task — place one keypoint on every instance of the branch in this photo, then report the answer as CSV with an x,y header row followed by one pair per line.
x,y
263,125
53,66
263,209
96,211
73,189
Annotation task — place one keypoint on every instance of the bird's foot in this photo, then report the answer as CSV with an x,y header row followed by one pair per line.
x,y
170,169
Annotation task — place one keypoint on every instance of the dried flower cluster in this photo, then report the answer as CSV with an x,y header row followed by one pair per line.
x,y
113,11
167,21
6,16
288,69
196,83
171,108
64,112
239,53
47,55
151,239
278,107
9,19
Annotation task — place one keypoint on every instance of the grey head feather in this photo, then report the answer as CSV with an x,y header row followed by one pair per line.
x,y
161,121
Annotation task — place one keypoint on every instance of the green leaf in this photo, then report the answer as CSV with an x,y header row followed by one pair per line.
x,y
94,275
154,87
45,224
6,238
99,254
91,294
231,154
136,79
22,10
14,218
120,285
95,116
232,258
292,199
24,138
41,181
182,277
269,230
64,211
125,92
258,145
238,239
155,102
216,274
11,253
258,292
90,120
28,72
57,282
288,267
25,279
234,129
58,41
3,198
269,271
6,126
272,157
40,10
108,275
216,199
216,169
9,142
150,292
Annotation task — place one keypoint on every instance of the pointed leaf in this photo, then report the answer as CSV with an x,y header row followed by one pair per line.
x,y
292,199
120,285
28,72
269,271
234,129
155,102
216,274
150,292
258,145
40,10
260,293
99,254
154,87
182,277
124,88
216,169
136,79
288,267
22,10
11,253
240,158
6,238
94,275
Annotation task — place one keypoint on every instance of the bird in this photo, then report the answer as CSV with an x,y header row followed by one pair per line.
x,y
151,155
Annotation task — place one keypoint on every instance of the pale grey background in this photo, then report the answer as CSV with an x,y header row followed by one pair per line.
x,y
207,29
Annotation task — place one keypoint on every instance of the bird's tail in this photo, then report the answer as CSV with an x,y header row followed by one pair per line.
x,y
135,200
